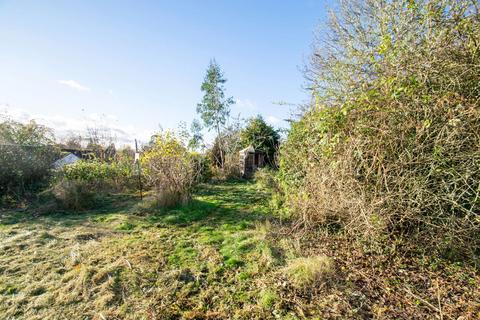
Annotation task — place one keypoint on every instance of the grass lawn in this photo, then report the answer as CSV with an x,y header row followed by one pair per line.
x,y
209,259
223,256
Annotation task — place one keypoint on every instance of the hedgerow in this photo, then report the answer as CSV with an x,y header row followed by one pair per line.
x,y
389,146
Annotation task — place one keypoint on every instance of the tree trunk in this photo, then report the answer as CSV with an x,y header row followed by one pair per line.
x,y
220,143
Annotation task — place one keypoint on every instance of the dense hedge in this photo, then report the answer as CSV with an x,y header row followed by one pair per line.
x,y
390,145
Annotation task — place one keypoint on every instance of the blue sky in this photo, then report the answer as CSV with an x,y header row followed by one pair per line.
x,y
135,65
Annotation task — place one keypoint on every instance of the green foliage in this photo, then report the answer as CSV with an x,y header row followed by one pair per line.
x,y
215,108
196,138
390,143
203,167
79,185
262,137
26,156
268,298
98,173
267,179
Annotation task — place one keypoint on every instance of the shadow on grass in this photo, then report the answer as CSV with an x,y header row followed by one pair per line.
x,y
50,212
232,205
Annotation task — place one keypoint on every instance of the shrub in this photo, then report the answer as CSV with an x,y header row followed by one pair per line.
x,y
78,185
26,156
227,148
389,147
203,167
170,169
74,194
230,169
304,272
101,176
266,178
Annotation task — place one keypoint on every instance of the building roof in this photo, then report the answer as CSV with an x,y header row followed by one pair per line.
x,y
68,159
249,149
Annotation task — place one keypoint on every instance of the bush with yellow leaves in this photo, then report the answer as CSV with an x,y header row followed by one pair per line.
x,y
170,170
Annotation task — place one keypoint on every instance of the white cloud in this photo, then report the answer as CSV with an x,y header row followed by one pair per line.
x,y
273,120
64,126
246,104
74,85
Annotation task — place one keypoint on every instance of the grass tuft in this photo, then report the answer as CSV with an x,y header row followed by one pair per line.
x,y
304,272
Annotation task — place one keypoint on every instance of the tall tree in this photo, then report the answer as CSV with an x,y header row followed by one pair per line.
x,y
215,107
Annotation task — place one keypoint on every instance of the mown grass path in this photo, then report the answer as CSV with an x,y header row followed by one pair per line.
x,y
205,260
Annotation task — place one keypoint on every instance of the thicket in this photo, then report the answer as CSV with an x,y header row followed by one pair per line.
x,y
390,145
171,170
27,152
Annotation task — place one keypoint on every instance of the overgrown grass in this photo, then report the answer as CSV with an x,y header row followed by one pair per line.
x,y
202,260
223,256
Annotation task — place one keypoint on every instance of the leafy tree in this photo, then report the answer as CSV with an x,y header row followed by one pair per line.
x,y
215,107
262,137
192,137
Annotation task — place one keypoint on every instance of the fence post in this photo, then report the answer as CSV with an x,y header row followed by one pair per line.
x,y
137,160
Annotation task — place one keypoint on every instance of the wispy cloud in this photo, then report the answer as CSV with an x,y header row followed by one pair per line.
x,y
246,104
74,85
66,126
273,120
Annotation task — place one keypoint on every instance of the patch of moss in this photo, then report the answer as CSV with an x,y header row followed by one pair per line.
x,y
233,262
9,290
126,226
268,299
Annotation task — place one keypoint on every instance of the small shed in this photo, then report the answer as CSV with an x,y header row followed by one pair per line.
x,y
250,161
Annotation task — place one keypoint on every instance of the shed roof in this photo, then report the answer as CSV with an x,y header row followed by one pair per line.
x,y
249,149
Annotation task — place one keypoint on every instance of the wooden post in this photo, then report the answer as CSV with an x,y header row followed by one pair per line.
x,y
137,160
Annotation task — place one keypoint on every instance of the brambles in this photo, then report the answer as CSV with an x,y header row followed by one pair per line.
x,y
389,147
